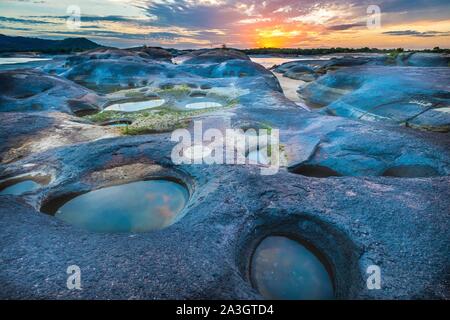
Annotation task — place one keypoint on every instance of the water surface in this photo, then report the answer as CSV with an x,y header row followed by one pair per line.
x,y
136,106
21,60
133,207
282,268
21,187
270,61
203,105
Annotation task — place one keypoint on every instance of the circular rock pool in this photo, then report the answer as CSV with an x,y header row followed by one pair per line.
x,y
134,207
136,106
21,187
203,105
282,268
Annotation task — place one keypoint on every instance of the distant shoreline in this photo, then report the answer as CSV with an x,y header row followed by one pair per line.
x,y
11,46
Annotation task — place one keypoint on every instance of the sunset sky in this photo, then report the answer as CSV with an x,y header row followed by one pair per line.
x,y
236,23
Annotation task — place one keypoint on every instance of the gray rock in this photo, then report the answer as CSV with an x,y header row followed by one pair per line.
x,y
437,119
398,95
363,193
345,62
215,56
301,72
113,75
41,131
243,68
423,59
153,53
136,54
32,90
354,221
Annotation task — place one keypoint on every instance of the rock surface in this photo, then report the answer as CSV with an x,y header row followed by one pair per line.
x,y
422,59
363,193
215,56
32,90
211,245
135,54
416,97
44,131
109,75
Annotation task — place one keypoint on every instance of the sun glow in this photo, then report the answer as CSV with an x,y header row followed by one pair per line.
x,y
241,24
274,38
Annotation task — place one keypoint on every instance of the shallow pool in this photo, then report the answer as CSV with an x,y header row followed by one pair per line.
x,y
268,61
119,125
21,60
203,105
282,268
133,207
136,106
197,152
20,187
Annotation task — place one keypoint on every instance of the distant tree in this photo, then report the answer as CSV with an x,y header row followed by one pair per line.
x,y
319,51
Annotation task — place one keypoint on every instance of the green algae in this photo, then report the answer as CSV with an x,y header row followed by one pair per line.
x,y
165,118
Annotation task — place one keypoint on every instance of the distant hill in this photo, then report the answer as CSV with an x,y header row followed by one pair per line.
x,y
23,44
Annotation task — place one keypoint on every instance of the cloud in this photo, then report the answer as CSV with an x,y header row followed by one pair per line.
x,y
254,20
195,14
32,1
411,5
24,21
94,18
163,35
242,23
2,26
347,26
415,33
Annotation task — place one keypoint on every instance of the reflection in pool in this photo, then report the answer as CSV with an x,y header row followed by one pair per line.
x,y
270,61
197,152
203,105
20,187
282,268
136,106
259,157
20,60
133,207
119,125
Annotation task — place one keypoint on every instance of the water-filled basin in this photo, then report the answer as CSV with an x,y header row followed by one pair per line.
x,y
20,187
136,106
133,207
203,105
282,268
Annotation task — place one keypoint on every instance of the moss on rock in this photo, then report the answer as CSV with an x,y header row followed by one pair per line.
x,y
162,119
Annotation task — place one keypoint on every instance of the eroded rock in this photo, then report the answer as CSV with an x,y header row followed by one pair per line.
x,y
360,192
423,59
113,75
215,56
40,131
415,97
32,90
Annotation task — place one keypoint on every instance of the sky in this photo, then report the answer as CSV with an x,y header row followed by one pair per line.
x,y
412,24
